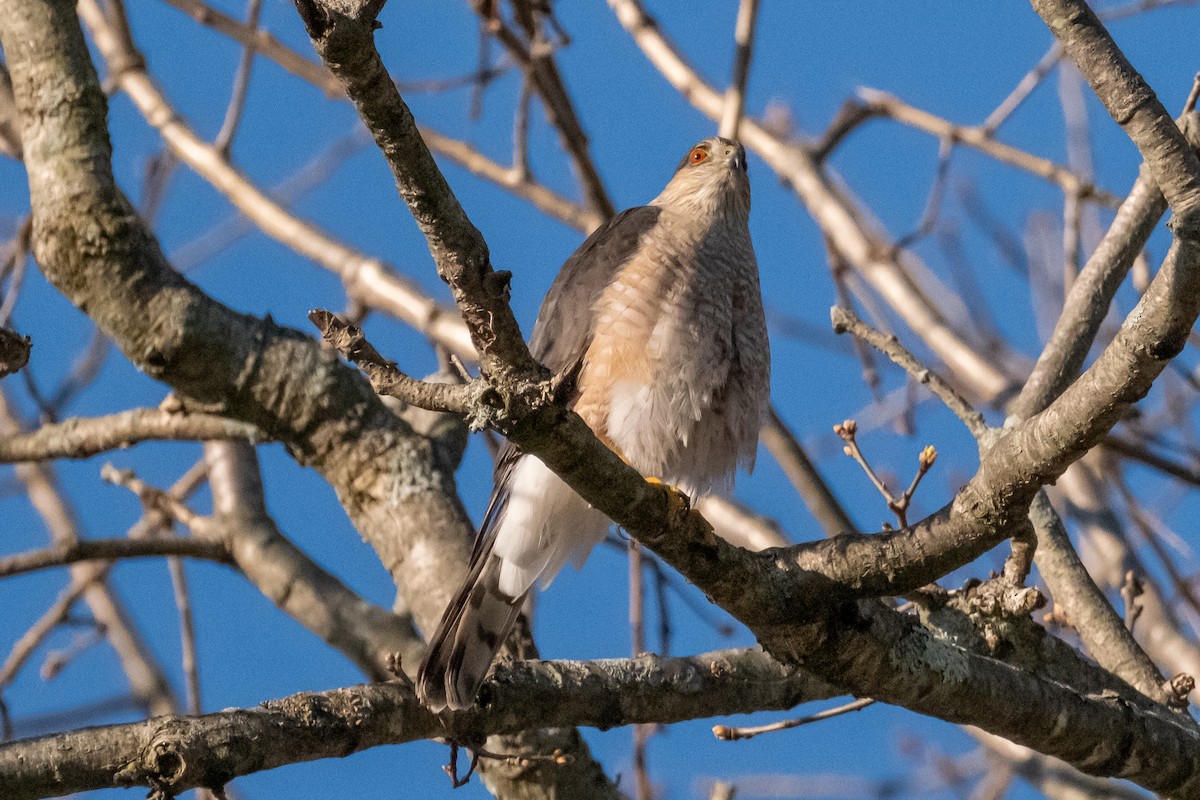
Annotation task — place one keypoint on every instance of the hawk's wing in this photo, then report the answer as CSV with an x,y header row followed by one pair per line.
x,y
565,324
566,321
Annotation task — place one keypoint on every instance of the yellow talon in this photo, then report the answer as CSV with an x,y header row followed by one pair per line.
x,y
677,500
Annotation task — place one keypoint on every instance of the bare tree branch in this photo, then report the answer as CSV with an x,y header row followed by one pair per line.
x,y
262,43
882,103
803,474
81,437
536,57
182,752
369,279
146,677
735,95
111,550
368,635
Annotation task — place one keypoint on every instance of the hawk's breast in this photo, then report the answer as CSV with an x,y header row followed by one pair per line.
x,y
675,375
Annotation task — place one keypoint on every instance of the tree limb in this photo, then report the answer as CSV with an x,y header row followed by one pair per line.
x,y
82,437
110,550
178,753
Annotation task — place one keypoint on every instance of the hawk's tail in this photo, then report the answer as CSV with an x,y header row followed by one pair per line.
x,y
466,641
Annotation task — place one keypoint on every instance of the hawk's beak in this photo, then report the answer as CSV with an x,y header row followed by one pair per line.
x,y
739,159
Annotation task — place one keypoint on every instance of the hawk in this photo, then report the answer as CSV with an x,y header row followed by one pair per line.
x,y
660,313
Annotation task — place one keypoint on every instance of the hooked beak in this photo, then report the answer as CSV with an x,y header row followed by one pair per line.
x,y
739,159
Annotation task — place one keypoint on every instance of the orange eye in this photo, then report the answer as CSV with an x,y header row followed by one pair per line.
x,y
697,156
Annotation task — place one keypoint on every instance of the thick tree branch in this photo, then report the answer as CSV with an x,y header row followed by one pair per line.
x,y
178,753
866,651
1100,627
366,634
367,279
252,370
343,36
1090,296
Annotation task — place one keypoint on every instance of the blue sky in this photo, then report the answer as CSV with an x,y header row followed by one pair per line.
x,y
954,59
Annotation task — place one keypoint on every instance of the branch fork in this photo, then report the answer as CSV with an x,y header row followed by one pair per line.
x,y
481,401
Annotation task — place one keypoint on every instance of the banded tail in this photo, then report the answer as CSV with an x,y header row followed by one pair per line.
x,y
533,525
471,633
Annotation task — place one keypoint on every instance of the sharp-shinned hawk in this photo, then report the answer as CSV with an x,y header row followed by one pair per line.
x,y
660,310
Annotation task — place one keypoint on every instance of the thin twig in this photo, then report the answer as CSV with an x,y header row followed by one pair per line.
x,y
637,636
85,369
804,476
1023,89
17,259
110,550
1079,159
521,132
536,58
1190,104
29,641
728,734
1129,593
846,321
263,43
145,674
703,611
897,505
846,431
187,634
735,95
933,202
372,280
386,378
839,270
849,118
241,83
894,108
1142,522
1143,454
81,642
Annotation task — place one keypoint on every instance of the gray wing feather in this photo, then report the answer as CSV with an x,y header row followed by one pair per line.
x,y
564,325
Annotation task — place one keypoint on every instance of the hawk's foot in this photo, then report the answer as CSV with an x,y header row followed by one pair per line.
x,y
676,500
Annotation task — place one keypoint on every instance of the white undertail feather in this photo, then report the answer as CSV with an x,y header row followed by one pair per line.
x,y
545,525
667,327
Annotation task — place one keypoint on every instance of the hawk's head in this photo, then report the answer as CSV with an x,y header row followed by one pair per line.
x,y
711,177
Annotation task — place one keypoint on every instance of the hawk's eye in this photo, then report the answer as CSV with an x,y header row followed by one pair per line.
x,y
697,156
